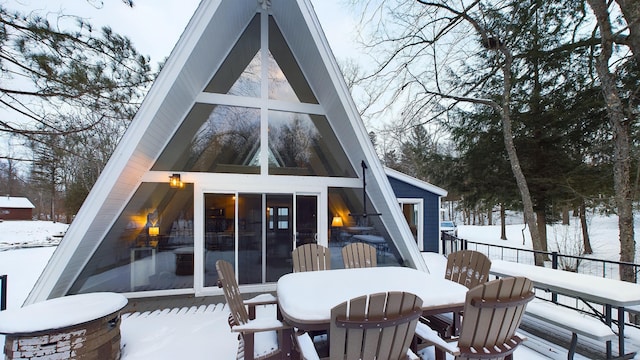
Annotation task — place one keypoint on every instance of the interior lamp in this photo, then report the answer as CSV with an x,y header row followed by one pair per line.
x,y
337,222
154,230
175,182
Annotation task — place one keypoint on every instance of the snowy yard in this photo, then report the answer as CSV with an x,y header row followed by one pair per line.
x,y
188,333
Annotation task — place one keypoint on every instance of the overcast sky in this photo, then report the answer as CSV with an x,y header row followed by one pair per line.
x,y
154,26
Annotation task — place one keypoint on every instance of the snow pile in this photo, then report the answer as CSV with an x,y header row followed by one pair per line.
x,y
27,234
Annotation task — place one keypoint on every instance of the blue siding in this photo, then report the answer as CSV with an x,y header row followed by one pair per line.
x,y
431,213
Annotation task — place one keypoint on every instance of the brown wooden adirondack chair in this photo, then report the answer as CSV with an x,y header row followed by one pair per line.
x,y
492,314
359,255
380,326
311,257
467,267
258,338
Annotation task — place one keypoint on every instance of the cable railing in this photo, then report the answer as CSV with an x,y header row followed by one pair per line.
x,y
582,264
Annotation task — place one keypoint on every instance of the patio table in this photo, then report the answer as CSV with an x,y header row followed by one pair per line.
x,y
608,292
305,299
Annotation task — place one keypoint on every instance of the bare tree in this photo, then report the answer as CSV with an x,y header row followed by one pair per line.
x,y
609,66
426,52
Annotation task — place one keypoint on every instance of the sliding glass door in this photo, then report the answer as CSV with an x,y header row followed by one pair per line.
x,y
258,231
279,221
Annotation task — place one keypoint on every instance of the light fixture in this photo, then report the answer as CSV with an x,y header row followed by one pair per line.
x,y
337,222
175,182
154,230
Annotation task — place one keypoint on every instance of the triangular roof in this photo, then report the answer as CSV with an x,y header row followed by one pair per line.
x,y
15,202
415,182
207,45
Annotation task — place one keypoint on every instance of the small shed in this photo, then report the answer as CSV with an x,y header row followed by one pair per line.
x,y
420,202
15,208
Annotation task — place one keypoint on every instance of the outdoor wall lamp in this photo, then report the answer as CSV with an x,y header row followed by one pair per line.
x,y
175,182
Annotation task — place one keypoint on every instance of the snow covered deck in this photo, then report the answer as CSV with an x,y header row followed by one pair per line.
x,y
203,333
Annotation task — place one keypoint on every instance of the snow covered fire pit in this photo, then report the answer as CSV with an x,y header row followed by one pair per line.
x,y
83,326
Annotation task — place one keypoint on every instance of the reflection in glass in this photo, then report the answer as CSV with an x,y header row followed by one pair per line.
x,y
240,72
344,202
248,84
286,80
132,257
223,139
250,221
301,144
219,234
279,236
306,219
279,86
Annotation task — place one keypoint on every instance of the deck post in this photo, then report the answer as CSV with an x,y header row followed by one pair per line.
x,y
3,292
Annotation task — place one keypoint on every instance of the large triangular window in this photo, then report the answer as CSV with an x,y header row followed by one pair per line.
x,y
246,104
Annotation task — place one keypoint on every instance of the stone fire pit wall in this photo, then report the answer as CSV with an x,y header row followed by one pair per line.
x,y
83,326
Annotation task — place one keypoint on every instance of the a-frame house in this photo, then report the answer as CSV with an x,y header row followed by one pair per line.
x,y
252,120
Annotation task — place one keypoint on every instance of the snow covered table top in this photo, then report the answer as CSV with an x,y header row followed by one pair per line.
x,y
590,288
60,312
306,298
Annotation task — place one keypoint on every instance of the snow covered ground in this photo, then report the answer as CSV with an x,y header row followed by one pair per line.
x,y
26,246
603,231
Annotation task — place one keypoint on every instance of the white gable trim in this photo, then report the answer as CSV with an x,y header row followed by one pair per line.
x,y
415,182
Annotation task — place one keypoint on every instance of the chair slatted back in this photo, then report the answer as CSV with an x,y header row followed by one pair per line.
x,y
359,255
467,267
492,313
311,257
227,280
378,326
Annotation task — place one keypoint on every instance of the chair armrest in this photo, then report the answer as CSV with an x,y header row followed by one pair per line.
x,y
259,325
305,346
262,299
424,332
259,300
411,355
522,337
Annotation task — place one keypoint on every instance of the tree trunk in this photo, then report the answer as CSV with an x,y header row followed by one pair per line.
x,y
621,126
53,196
565,215
637,182
503,226
9,178
521,181
585,231
631,11
489,217
541,222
